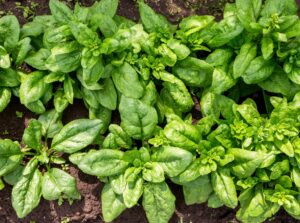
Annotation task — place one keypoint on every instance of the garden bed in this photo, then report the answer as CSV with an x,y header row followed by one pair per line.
x,y
15,118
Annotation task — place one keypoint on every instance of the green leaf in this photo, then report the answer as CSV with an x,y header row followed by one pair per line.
x,y
178,91
248,11
106,7
254,207
68,89
224,187
127,81
83,34
197,191
60,11
285,7
249,112
76,135
117,138
137,118
102,163
193,72
26,193
258,70
221,81
292,207
134,187
153,172
181,50
32,87
24,48
10,156
38,59
278,82
242,61
60,101
173,160
9,78
102,114
59,184
65,57
5,96
14,176
107,96
182,135
51,123
9,32
33,135
158,202
5,61
151,21
267,47
112,203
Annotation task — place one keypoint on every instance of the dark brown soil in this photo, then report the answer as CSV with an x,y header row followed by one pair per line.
x,y
88,209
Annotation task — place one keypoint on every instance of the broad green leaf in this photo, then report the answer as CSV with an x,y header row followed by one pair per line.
x,y
127,82
242,61
76,135
24,48
38,59
173,160
102,163
248,11
51,123
102,114
152,21
83,34
32,87
278,82
112,204
258,70
58,184
224,187
33,135
153,172
60,101
118,137
26,194
137,118
197,191
107,96
221,81
134,187
254,207
9,32
68,89
178,91
182,135
14,176
60,11
280,7
5,61
158,202
267,47
193,72
107,7
65,57
9,78
5,96
10,156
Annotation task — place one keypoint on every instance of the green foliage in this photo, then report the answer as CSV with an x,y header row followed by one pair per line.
x,y
153,74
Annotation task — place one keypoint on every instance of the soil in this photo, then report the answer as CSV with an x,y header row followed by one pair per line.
x,y
88,209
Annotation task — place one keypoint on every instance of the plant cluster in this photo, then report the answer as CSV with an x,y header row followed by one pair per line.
x,y
153,74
